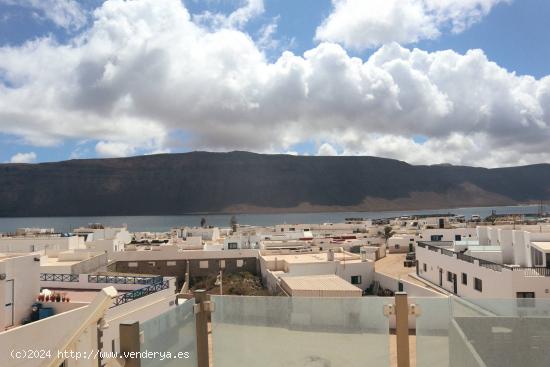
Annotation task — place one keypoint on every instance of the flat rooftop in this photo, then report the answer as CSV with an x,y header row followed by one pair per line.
x,y
320,283
312,258
4,256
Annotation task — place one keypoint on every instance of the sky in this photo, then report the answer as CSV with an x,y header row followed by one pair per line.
x,y
461,82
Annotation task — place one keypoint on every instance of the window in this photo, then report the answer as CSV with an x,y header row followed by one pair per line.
x,y
240,263
464,278
536,257
203,264
356,279
151,263
232,245
458,237
478,285
132,264
396,247
449,276
436,237
425,267
170,263
525,299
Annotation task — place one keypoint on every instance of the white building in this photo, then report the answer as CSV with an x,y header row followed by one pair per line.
x,y
107,239
353,268
42,242
206,233
404,242
503,263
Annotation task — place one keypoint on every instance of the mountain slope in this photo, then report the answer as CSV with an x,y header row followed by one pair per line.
x,y
241,181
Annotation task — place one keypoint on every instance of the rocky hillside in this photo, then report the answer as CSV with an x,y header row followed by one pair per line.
x,y
246,182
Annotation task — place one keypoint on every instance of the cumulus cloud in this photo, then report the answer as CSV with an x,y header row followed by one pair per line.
x,y
326,150
23,158
361,24
64,13
145,72
110,149
237,19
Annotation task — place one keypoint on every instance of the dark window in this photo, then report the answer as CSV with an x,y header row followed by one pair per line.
x,y
464,278
356,279
397,247
232,245
436,237
458,237
536,257
425,267
525,299
478,285
449,276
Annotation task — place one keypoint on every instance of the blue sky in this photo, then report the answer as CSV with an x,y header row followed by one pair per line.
x,y
514,35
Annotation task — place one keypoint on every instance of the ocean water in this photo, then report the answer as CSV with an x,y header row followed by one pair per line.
x,y
166,222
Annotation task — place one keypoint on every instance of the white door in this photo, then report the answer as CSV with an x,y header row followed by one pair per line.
x,y
8,310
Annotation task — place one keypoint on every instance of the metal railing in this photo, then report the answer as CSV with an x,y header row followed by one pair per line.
x,y
484,263
53,277
124,279
139,293
447,252
464,257
490,265
533,271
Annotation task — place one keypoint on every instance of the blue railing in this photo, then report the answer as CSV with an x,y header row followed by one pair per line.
x,y
123,279
139,293
52,277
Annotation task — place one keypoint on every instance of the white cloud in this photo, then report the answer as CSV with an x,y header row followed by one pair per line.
x,y
361,24
145,71
23,158
327,150
110,149
237,19
64,13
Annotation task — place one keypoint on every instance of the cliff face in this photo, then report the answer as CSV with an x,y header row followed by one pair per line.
x,y
247,182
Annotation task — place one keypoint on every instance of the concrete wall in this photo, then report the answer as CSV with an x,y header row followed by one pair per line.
x,y
48,334
413,290
32,244
178,268
25,274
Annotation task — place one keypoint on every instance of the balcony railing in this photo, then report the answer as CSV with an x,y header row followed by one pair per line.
x,y
484,263
464,257
139,293
490,265
52,277
533,271
124,279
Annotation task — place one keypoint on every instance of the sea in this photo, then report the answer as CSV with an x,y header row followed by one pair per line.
x,y
163,223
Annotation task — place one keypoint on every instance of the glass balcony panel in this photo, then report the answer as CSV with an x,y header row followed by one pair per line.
x,y
171,332
296,331
432,331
